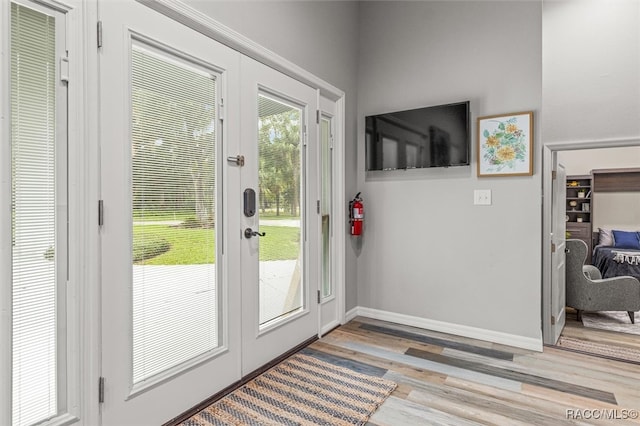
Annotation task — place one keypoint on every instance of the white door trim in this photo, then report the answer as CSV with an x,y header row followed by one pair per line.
x,y
549,153
204,24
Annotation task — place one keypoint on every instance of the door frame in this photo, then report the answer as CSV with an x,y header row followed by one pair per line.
x,y
207,26
549,157
84,126
83,324
558,256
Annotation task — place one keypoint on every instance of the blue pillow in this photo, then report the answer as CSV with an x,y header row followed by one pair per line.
x,y
626,240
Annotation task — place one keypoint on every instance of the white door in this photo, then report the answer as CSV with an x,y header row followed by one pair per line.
x,y
170,323
280,224
558,240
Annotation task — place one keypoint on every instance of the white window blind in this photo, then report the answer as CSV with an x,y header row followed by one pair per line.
x,y
175,298
326,197
34,257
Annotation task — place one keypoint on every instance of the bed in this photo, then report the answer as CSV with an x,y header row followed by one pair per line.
x,y
617,253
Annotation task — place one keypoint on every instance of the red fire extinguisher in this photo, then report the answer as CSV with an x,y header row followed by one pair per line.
x,y
356,215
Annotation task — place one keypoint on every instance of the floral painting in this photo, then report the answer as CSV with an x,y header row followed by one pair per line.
x,y
505,145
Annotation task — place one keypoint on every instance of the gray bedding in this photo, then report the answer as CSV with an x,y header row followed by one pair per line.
x,y
603,259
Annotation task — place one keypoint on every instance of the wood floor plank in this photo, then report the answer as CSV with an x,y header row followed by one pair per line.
x,y
472,405
515,376
555,407
399,412
351,364
425,364
440,342
553,369
453,383
394,344
609,379
576,402
586,362
418,373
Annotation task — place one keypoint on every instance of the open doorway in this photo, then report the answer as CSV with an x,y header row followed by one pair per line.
x,y
619,208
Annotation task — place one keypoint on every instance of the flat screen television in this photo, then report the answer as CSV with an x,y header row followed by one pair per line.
x,y
435,136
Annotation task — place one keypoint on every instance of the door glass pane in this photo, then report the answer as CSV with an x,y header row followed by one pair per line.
x,y
35,254
280,195
173,154
325,205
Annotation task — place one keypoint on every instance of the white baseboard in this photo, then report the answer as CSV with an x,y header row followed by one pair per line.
x,y
351,314
529,343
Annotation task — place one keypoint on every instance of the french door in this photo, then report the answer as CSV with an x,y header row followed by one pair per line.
x,y
171,328
280,235
211,229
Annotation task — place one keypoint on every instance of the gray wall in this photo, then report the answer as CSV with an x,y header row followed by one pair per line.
x,y
322,38
427,250
591,69
591,92
616,210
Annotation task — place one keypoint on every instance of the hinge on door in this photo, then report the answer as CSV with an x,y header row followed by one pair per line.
x,y
304,135
100,212
99,37
317,116
64,69
101,390
318,206
553,247
318,296
222,109
553,320
554,175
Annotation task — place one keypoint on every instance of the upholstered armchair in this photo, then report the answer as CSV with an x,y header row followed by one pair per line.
x,y
587,291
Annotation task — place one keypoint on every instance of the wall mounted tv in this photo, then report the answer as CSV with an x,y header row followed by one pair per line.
x,y
435,136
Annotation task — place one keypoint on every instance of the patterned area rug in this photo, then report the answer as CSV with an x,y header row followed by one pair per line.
x,y
301,390
611,320
599,349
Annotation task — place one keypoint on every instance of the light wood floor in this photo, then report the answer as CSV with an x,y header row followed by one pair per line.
x,y
449,380
574,328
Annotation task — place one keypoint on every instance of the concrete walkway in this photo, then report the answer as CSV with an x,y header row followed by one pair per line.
x,y
180,301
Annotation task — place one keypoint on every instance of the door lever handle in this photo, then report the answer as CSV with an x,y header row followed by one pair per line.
x,y
248,233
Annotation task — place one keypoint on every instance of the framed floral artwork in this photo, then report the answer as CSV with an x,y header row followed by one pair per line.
x,y
505,145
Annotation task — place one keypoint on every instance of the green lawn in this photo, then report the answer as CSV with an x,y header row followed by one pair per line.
x,y
188,246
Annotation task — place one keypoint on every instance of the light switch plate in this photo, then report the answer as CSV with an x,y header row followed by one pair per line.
x,y
482,197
